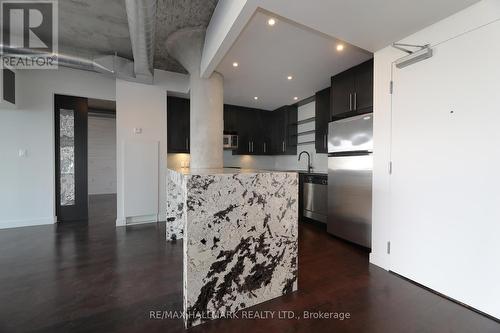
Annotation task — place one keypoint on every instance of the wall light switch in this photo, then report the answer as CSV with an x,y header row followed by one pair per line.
x,y
22,152
137,130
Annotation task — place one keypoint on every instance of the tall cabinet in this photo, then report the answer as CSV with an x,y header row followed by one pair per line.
x,y
322,115
284,130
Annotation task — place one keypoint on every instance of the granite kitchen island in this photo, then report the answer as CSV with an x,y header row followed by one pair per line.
x,y
239,231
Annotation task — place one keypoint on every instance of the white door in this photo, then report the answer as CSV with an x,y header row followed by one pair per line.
x,y
445,227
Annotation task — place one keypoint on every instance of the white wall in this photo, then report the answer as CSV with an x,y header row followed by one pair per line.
x,y
319,162
144,107
101,155
439,208
27,191
249,161
175,161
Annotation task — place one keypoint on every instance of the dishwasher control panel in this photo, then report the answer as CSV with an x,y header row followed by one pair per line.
x,y
316,179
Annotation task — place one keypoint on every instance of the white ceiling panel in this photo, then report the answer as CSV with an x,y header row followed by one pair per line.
x,y
266,55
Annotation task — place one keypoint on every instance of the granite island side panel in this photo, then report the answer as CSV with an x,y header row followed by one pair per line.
x,y
240,234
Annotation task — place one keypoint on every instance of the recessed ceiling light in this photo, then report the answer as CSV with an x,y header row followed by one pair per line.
x,y
289,77
271,22
256,98
295,98
235,64
340,47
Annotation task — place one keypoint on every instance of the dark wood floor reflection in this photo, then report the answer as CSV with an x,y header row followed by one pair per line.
x,y
93,277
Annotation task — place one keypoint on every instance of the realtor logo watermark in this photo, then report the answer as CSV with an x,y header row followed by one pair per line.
x,y
29,35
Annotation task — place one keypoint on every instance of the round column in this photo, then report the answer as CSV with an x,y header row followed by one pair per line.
x,y
206,100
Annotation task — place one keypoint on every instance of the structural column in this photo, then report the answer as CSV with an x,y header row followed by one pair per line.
x,y
207,99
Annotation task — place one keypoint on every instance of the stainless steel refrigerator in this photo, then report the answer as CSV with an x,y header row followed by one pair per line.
x,y
350,164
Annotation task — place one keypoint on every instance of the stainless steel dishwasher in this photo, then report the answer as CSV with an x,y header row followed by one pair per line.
x,y
315,196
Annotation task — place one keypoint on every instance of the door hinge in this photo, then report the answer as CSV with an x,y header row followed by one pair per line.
x,y
388,247
391,87
390,168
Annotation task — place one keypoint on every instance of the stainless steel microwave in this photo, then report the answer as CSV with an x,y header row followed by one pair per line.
x,y
230,141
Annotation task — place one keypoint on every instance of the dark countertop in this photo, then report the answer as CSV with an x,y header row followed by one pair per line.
x,y
304,172
312,173
222,171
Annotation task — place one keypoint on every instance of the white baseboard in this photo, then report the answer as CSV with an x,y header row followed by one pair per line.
x,y
141,219
380,261
120,222
130,220
105,193
26,223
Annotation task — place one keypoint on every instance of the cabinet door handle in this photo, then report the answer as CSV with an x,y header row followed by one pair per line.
x,y
355,101
264,147
249,147
252,146
283,146
324,141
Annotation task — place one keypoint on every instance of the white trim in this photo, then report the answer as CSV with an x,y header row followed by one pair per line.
x,y
138,223
227,22
141,219
120,222
27,223
380,261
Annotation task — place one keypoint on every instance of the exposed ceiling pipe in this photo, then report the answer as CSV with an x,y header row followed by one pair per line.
x,y
63,59
110,65
141,16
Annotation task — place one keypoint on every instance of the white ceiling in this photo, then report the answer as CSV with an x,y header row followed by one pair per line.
x,y
370,24
267,55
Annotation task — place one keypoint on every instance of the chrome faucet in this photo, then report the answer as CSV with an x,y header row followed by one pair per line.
x,y
309,167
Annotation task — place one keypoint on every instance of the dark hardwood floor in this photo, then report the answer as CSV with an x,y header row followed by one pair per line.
x,y
93,277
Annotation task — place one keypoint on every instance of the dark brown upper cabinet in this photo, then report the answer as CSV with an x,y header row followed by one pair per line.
x,y
177,125
352,91
322,117
262,132
284,130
